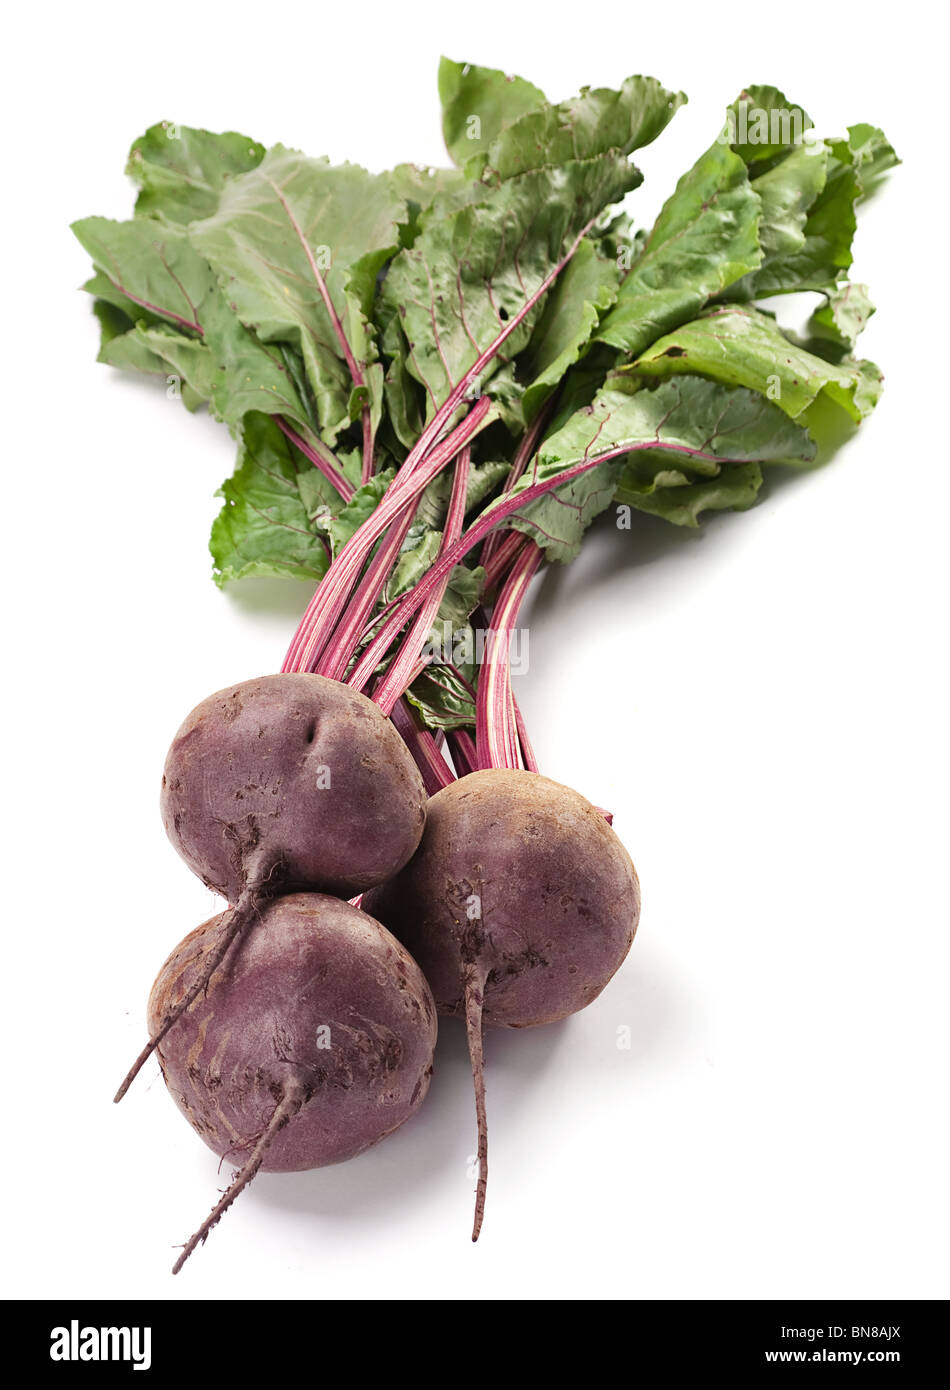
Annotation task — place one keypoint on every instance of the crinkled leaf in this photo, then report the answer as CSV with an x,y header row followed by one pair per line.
x,y
581,294
842,317
740,346
689,425
763,124
872,154
181,171
283,230
587,125
468,274
681,499
825,254
150,264
349,518
851,167
266,526
421,189
705,237
477,103
443,696
787,190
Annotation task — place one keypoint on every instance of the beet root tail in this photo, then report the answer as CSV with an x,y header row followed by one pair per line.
x,y
285,1110
474,1003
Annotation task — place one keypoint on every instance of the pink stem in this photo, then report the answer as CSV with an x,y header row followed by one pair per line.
x,y
353,366
496,735
316,627
502,557
526,448
436,772
400,673
337,655
409,604
458,393
320,457
527,752
368,445
464,755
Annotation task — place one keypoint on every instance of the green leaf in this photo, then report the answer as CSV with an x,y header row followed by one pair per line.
x,y
150,264
739,346
120,345
181,171
443,698
581,294
686,427
421,189
483,478
402,394
705,237
106,292
851,167
477,103
283,230
415,559
841,318
254,376
872,155
147,258
266,526
470,273
349,518
681,499
762,123
588,125
825,254
786,190
188,359
462,595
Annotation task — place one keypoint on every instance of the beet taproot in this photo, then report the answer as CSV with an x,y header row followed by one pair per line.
x,y
519,905
310,1044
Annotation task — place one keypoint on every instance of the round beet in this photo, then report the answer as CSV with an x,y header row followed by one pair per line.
x,y
294,778
310,1044
519,905
282,783
522,881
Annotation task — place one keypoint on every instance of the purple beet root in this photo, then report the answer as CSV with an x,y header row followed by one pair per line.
x,y
309,1045
519,905
282,784
295,779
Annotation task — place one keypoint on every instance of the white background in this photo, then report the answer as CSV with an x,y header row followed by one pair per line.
x,y
763,705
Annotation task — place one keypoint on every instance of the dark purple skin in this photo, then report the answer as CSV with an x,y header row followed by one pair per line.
x,y
558,895
242,799
252,1039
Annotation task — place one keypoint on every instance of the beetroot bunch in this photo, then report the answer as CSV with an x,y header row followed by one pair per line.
x,y
295,1030
438,379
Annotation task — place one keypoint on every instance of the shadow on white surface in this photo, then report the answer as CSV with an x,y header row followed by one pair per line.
x,y
527,1071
